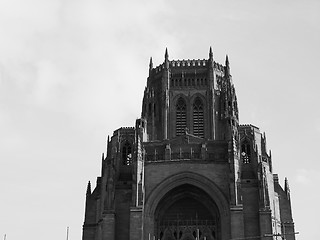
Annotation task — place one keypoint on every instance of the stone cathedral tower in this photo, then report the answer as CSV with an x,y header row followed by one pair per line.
x,y
188,170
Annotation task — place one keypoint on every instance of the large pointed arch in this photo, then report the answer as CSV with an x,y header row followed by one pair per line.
x,y
215,195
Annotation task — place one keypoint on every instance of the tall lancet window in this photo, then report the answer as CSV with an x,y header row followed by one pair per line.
x,y
198,122
126,153
181,117
245,152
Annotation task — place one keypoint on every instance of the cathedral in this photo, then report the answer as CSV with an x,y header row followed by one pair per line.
x,y
188,170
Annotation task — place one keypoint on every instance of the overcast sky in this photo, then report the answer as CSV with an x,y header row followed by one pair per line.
x,y
73,71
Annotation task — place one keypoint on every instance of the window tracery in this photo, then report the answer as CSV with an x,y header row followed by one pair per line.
x,y
198,120
181,118
127,154
245,152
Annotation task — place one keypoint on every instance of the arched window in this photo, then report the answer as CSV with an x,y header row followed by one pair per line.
x,y
198,122
245,152
181,116
126,153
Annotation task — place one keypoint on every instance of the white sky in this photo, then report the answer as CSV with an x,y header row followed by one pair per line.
x,y
72,71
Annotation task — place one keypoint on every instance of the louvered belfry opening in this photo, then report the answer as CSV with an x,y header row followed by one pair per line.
x,y
198,122
181,117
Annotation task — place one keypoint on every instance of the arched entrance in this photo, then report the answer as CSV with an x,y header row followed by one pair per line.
x,y
187,212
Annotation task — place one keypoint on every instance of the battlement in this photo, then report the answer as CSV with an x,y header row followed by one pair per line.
x,y
186,63
123,130
248,126
189,63
159,68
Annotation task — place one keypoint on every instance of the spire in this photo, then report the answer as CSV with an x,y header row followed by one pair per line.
x,y
89,188
166,59
227,68
108,147
166,55
270,161
102,164
286,185
286,188
150,64
227,61
210,54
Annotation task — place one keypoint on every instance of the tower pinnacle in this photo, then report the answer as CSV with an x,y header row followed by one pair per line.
x,y
166,59
227,67
227,61
166,55
286,188
210,54
89,188
286,185
150,64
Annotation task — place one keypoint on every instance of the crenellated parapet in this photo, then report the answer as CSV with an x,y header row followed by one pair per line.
x,y
123,130
188,64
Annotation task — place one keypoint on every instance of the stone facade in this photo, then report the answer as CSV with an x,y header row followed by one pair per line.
x,y
188,170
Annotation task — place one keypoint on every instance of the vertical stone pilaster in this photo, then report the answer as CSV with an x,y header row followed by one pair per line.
x,y
236,223
148,227
167,154
204,152
136,223
288,231
108,226
88,232
266,224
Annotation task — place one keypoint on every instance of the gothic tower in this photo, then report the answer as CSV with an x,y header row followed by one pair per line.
x,y
188,170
